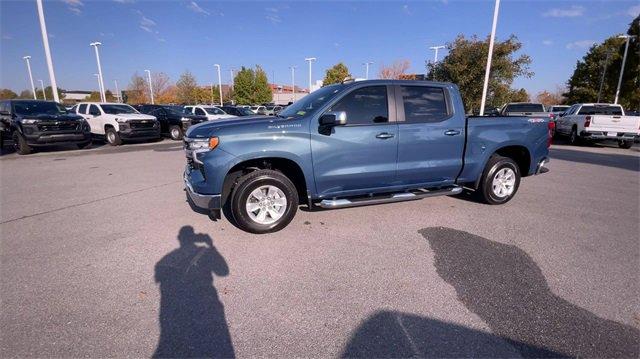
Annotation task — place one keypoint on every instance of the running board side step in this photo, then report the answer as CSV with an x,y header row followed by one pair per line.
x,y
396,197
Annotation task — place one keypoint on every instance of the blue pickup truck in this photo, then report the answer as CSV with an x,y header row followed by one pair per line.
x,y
358,143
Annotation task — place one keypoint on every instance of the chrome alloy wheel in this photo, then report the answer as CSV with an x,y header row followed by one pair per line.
x,y
175,133
111,137
266,204
504,182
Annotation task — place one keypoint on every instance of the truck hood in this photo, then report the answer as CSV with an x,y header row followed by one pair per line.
x,y
45,117
207,129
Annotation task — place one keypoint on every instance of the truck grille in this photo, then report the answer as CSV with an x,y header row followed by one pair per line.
x,y
142,124
58,126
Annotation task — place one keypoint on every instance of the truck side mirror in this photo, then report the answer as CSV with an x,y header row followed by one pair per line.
x,y
337,118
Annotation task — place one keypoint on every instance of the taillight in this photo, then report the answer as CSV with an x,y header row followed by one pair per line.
x,y
551,126
587,121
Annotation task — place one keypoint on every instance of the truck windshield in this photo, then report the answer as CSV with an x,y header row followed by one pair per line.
x,y
601,110
118,109
524,107
30,108
309,104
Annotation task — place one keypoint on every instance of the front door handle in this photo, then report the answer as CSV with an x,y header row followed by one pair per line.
x,y
451,132
384,135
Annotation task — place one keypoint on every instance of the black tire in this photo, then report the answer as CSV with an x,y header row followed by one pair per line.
x,y
625,144
112,137
20,144
574,139
494,166
175,132
252,181
83,146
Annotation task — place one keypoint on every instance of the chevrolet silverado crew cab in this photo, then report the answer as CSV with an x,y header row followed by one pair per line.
x,y
118,122
174,120
32,123
358,143
598,122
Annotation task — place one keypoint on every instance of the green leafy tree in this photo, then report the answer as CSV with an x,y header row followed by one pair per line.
x,y
187,89
6,94
49,92
243,86
26,94
584,84
336,74
261,90
465,65
137,91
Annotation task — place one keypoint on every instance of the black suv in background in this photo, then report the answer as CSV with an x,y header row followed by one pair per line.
x,y
174,120
33,123
237,111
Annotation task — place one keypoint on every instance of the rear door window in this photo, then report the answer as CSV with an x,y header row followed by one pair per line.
x,y
82,108
200,112
424,104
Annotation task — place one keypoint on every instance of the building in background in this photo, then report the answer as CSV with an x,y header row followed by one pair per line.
x,y
73,97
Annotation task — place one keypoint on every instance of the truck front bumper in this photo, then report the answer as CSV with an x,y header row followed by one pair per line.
x,y
44,139
140,134
203,201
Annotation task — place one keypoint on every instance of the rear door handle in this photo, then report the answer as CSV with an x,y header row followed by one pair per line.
x,y
384,135
451,132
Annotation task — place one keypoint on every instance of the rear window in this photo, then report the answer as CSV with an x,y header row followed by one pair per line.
x,y
601,110
524,107
558,108
424,104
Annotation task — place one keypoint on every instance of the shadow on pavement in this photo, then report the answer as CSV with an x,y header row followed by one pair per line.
x,y
192,319
627,162
389,334
507,290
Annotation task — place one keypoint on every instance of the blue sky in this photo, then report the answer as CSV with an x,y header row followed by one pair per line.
x,y
173,36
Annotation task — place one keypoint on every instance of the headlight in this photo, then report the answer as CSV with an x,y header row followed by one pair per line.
x,y
203,144
121,120
185,119
29,121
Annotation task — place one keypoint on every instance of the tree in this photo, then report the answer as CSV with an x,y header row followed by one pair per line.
x,y
26,94
137,90
6,94
336,74
584,84
519,96
396,71
261,90
187,89
160,83
243,86
94,97
549,99
465,65
168,95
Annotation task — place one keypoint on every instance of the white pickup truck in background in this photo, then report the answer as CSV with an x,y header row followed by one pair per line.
x,y
598,122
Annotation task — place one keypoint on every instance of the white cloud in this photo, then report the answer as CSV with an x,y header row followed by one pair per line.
x,y
146,28
572,11
193,6
145,21
7,37
547,42
406,10
75,6
581,44
273,15
125,1
634,11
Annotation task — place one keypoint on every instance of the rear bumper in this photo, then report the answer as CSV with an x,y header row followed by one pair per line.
x,y
601,135
203,201
540,168
44,139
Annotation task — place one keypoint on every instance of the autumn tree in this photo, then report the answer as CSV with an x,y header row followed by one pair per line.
x,y
336,74
395,71
137,90
187,89
95,96
550,98
160,83
606,57
465,65
26,94
6,94
168,96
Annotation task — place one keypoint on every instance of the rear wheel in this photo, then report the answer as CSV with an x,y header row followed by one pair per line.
x,y
264,201
175,132
625,144
574,139
500,180
112,136
20,144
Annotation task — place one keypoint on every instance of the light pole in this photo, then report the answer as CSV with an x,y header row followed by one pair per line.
x,y
604,72
436,48
310,60
118,95
44,95
99,86
219,82
488,69
293,83
232,77
95,45
47,52
366,71
33,87
150,86
624,60
212,94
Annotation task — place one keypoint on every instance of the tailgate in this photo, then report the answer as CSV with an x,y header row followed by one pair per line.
x,y
614,122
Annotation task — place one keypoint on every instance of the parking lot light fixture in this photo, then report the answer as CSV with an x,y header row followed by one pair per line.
x,y
624,60
47,51
436,48
366,69
488,69
310,60
103,96
219,82
150,86
33,87
118,95
44,95
99,86
293,83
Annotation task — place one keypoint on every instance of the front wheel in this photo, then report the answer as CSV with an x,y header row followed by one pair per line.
x,y
20,144
264,201
500,180
175,132
625,144
113,138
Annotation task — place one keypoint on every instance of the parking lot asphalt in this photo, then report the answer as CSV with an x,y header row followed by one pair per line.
x,y
101,255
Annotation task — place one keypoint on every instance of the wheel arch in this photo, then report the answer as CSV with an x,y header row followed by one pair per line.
x,y
520,154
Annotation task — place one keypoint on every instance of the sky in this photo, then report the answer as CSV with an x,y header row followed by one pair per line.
x,y
174,36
